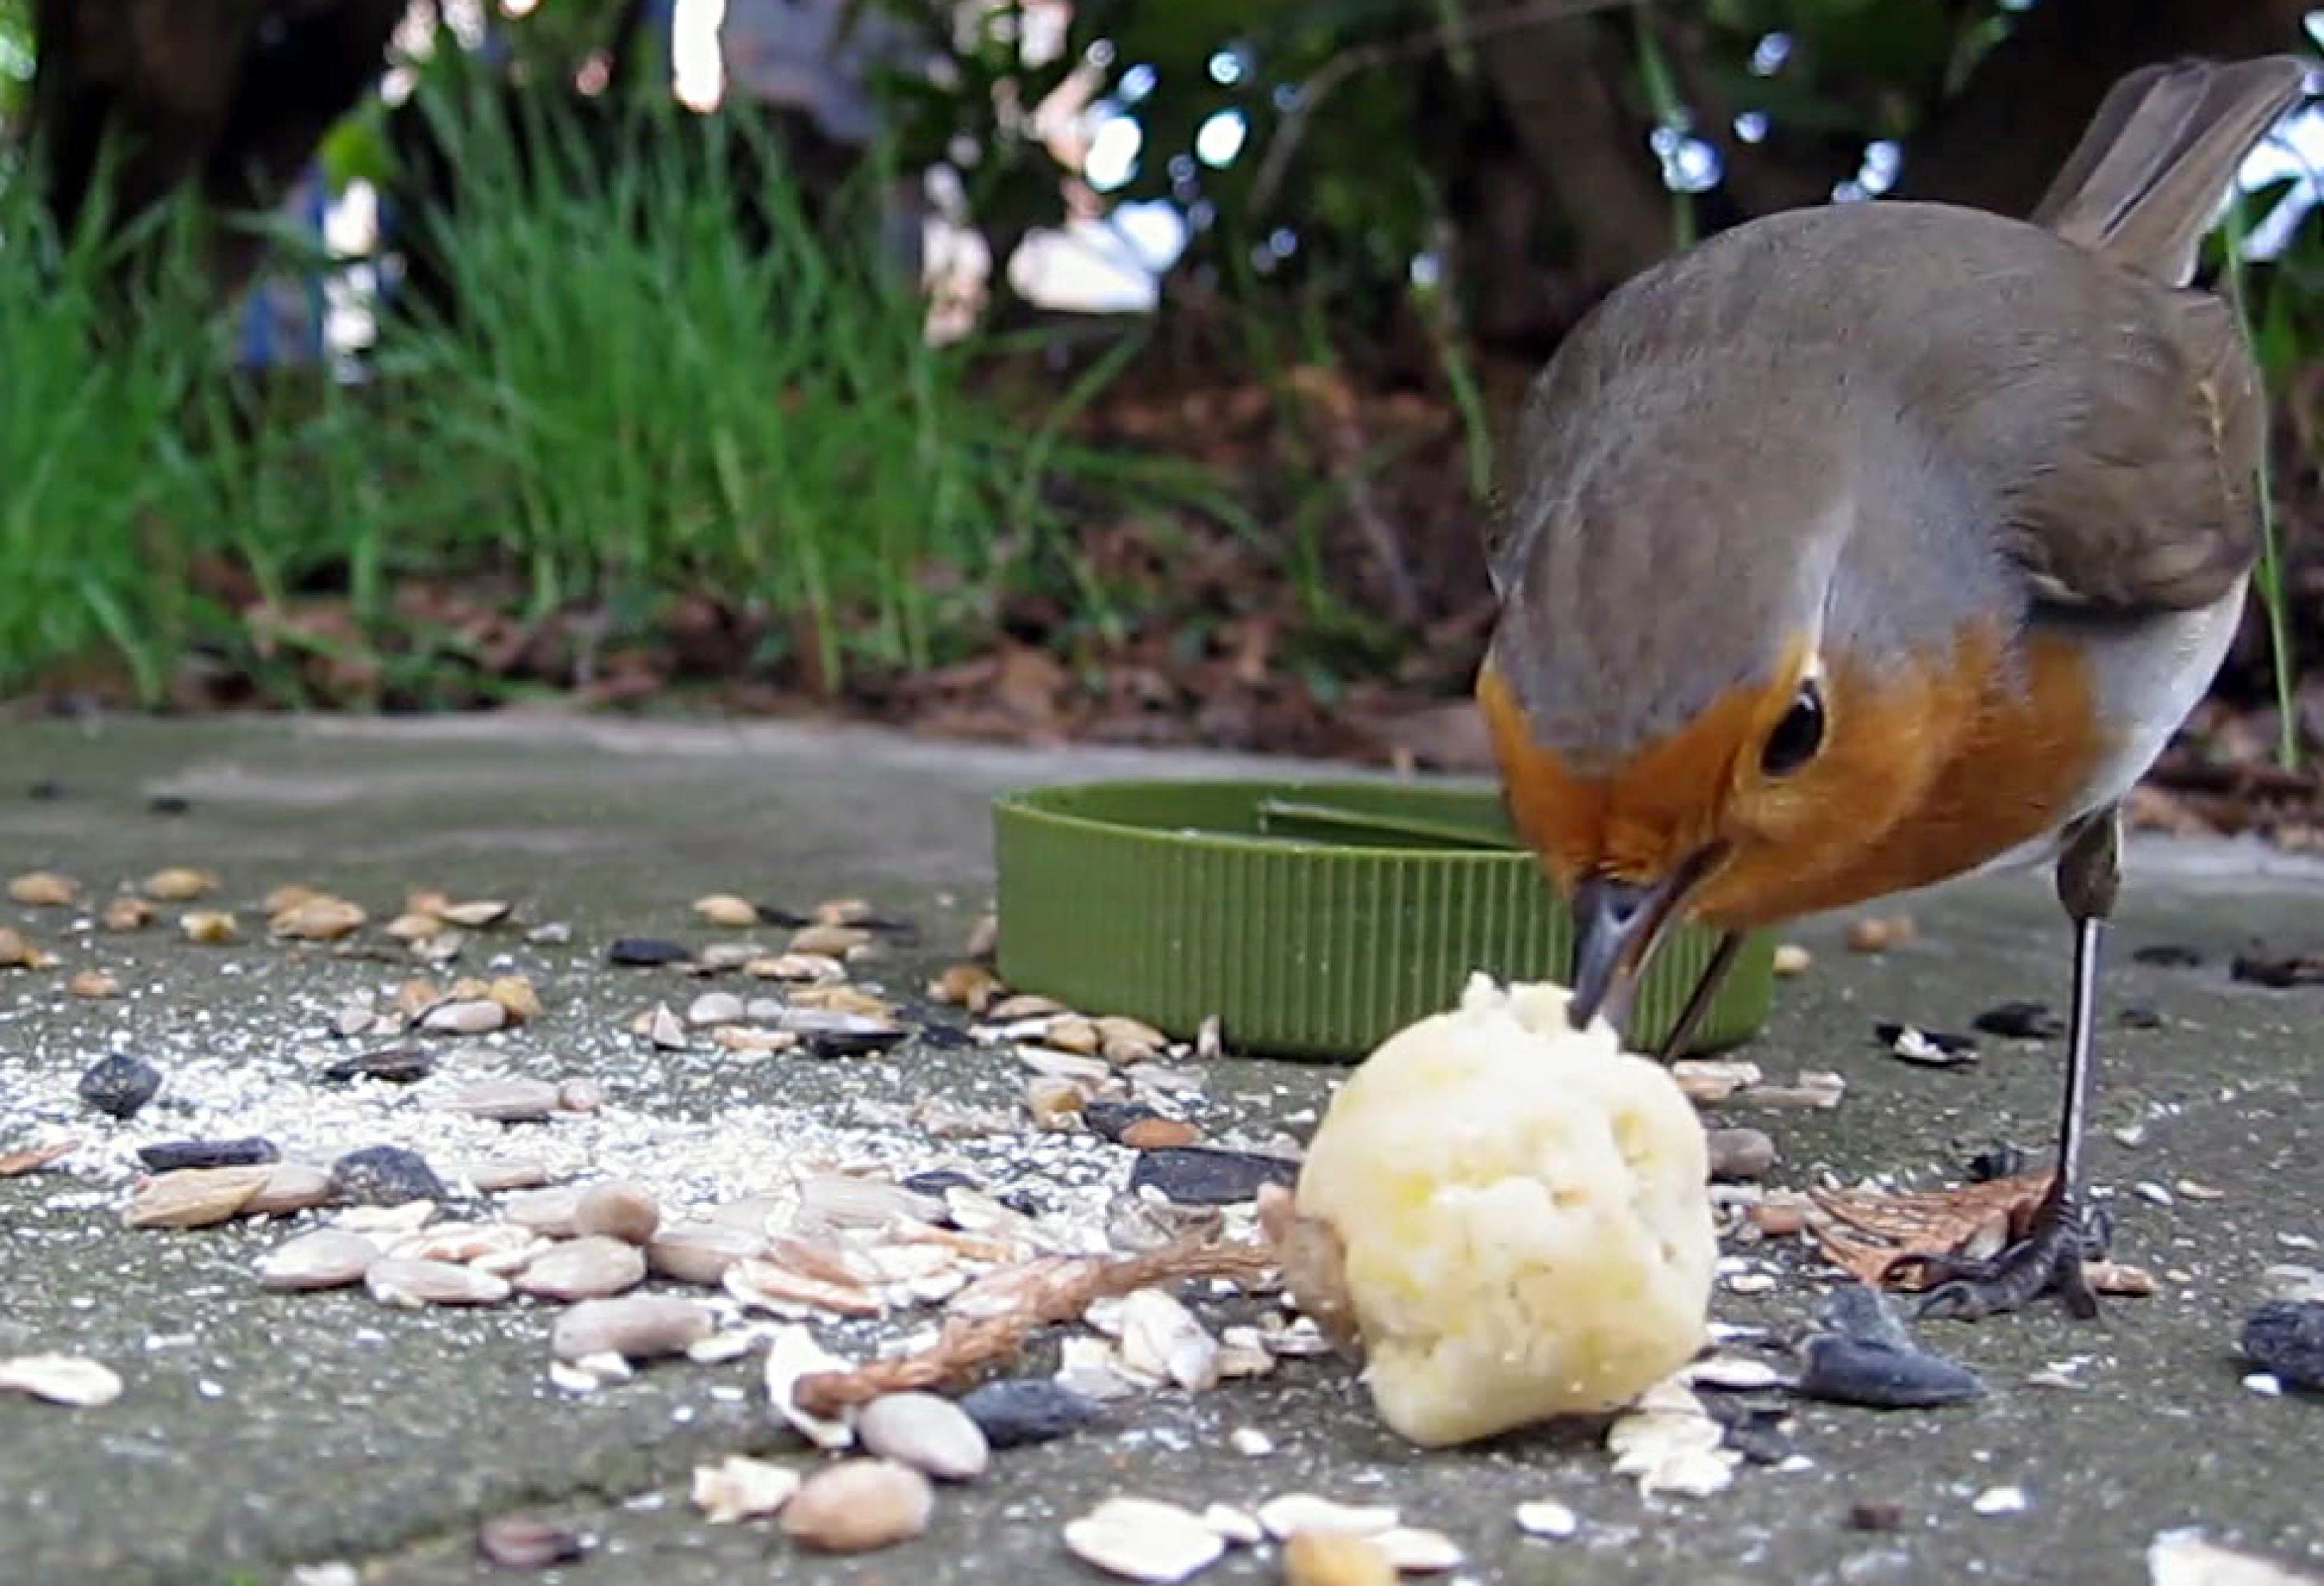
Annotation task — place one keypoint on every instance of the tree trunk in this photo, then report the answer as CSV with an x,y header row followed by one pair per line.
x,y
230,96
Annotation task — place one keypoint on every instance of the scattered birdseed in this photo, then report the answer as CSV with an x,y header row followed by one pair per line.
x,y
739,1488
858,1506
1144,1539
521,1542
72,1380
505,1101
2000,1500
1547,1517
794,1353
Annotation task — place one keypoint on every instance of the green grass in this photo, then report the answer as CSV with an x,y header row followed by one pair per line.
x,y
633,400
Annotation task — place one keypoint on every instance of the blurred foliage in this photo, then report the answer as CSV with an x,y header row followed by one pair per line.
x,y
15,61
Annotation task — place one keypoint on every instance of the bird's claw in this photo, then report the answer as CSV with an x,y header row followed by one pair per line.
x,y
2049,1258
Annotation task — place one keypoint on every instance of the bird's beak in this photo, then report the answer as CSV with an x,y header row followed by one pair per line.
x,y
1617,926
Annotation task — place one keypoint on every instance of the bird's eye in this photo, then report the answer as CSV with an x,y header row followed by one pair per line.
x,y
1798,736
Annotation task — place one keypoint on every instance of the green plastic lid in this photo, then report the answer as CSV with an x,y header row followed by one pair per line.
x,y
1314,918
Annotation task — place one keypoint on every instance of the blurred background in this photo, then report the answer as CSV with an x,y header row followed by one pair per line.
x,y
1035,370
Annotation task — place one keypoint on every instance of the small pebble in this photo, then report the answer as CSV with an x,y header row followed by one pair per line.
x,y
120,1085
646,952
326,1258
1013,1411
411,1284
1741,1154
636,1327
1196,1175
591,1267
1326,1558
928,1433
385,1176
858,1506
173,1156
2286,1339
625,1211
520,1542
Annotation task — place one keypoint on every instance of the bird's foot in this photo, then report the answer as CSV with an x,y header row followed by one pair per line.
x,y
2049,1258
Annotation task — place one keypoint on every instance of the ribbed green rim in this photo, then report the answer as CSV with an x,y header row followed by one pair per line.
x,y
1168,901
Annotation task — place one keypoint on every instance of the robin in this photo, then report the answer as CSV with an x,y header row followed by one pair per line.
x,y
1864,546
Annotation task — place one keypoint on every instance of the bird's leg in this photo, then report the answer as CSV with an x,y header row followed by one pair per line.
x,y
2062,1237
1705,993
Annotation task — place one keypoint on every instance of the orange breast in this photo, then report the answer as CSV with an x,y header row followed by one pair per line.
x,y
1930,773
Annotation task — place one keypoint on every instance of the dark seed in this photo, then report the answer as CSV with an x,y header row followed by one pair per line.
x,y
1198,1176
2139,1016
169,1156
2305,969
169,804
385,1176
119,1085
1853,1371
1110,1119
946,1037
1759,1442
1999,1161
1875,1516
1933,1049
648,951
45,792
938,1180
855,1043
398,1065
2021,1021
520,1542
789,919
1016,1411
2286,1337
1023,1202
2168,955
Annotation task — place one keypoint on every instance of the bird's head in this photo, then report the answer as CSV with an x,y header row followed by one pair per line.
x,y
1705,697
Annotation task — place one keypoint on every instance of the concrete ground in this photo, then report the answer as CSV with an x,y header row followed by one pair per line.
x,y
261,1432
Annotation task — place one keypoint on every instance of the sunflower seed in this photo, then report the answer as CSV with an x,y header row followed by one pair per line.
x,y
126,914
646,952
635,1327
411,1285
175,1156
1547,1517
72,1381
739,1488
179,884
1294,1512
44,888
715,1008
504,1101
771,1286
700,1253
211,926
293,1186
1791,959
319,920
1324,1558
591,1267
549,1212
472,1017
119,1085
1144,1539
833,941
326,1258
194,1197
858,1506
930,1433
725,909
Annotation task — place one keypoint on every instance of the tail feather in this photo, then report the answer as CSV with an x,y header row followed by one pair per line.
x,y
2148,177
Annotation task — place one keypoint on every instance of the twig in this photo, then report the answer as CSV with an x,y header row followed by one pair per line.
x,y
1273,164
1061,1295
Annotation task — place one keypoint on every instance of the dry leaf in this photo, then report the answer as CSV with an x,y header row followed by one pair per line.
x,y
1889,1237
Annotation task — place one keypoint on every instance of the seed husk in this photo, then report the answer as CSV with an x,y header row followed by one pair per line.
x,y
72,1380
126,913
44,888
411,1284
320,918
636,1326
1144,1539
858,1506
700,1253
179,884
210,926
194,1197
1325,1558
739,1488
93,984
474,1016
326,1257
505,1101
725,909
590,1268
